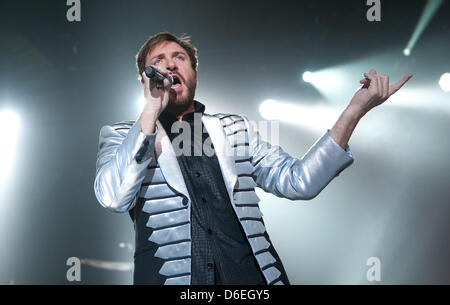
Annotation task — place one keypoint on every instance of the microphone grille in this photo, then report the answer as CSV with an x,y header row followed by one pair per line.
x,y
149,71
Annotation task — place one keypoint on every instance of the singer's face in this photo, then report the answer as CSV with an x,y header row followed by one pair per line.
x,y
169,56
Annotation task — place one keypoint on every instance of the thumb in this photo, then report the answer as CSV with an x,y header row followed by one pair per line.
x,y
395,87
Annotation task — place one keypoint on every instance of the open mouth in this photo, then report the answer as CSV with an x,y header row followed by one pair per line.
x,y
176,82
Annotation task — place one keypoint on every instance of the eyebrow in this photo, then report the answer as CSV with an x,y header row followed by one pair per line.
x,y
161,55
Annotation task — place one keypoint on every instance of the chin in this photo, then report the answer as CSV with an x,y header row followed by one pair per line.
x,y
183,100
179,102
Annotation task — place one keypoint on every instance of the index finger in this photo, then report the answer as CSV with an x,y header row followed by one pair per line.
x,y
395,87
145,80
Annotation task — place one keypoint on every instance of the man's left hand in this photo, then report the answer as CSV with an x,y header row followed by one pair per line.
x,y
375,91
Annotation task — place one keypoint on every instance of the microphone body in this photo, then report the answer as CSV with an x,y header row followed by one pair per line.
x,y
152,72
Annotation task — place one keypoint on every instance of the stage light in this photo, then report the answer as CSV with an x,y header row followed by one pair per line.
x,y
108,265
269,110
307,77
9,129
444,82
315,117
141,103
329,82
324,79
427,14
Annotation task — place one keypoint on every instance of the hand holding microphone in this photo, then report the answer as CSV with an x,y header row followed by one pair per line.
x,y
152,72
156,92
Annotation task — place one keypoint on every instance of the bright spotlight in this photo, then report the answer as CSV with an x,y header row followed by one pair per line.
x,y
444,82
316,117
406,52
325,80
9,129
141,103
269,109
307,77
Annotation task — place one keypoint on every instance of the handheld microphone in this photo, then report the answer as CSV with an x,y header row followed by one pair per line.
x,y
152,72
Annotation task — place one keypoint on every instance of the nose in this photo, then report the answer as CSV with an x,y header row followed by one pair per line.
x,y
171,65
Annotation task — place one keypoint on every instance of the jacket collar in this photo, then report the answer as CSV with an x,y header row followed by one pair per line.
x,y
223,151
169,164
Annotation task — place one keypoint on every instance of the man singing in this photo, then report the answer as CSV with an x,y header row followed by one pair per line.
x,y
196,214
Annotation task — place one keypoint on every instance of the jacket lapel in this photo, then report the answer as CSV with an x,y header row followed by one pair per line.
x,y
223,151
168,161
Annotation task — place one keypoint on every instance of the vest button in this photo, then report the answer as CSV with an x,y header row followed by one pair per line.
x,y
185,201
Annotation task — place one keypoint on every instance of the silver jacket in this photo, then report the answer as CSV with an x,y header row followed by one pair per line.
x,y
136,168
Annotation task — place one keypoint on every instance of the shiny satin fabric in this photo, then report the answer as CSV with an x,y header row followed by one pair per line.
x,y
127,158
119,175
123,157
304,178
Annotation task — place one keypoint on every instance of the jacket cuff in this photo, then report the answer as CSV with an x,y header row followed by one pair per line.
x,y
334,157
347,150
142,150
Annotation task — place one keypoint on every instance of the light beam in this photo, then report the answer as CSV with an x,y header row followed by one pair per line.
x,y
9,129
428,12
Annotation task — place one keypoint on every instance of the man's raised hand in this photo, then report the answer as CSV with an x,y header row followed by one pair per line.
x,y
375,91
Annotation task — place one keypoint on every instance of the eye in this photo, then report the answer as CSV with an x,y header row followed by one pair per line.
x,y
157,62
180,57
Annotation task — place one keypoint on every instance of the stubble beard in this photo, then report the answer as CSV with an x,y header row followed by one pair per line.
x,y
177,103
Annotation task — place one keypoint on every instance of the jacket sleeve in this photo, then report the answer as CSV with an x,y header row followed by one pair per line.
x,y
277,172
121,166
